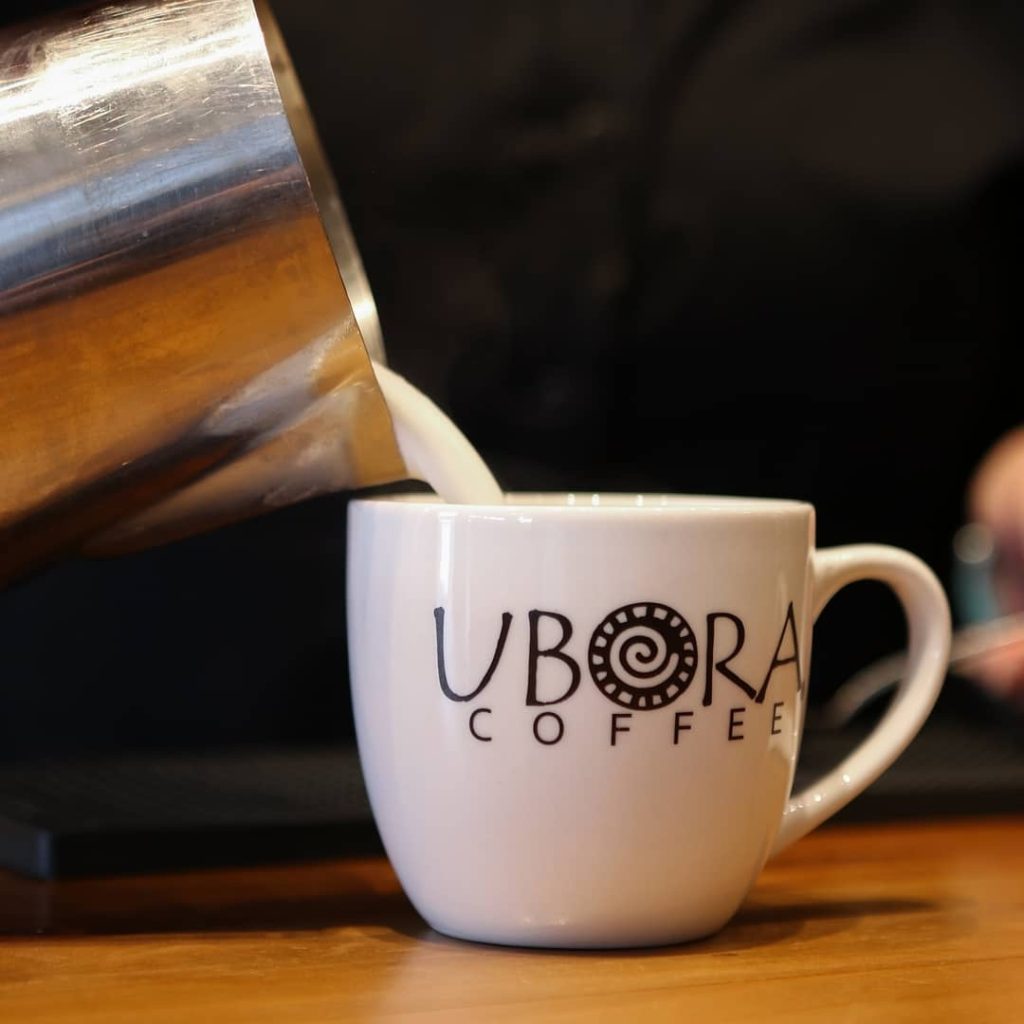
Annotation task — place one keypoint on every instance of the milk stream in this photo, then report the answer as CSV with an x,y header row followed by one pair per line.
x,y
434,449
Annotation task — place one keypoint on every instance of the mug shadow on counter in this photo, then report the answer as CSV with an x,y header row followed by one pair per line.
x,y
755,925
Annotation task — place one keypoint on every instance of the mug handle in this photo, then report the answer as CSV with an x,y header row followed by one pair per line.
x,y
929,628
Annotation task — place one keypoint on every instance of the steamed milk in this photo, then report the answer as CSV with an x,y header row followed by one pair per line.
x,y
434,449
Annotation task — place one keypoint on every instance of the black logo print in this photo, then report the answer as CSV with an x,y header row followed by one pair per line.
x,y
643,655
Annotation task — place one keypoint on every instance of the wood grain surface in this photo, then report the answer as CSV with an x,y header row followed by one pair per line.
x,y
909,922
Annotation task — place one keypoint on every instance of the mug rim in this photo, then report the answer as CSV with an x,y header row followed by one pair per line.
x,y
562,503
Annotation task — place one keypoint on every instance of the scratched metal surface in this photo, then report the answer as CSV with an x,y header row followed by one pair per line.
x,y
176,344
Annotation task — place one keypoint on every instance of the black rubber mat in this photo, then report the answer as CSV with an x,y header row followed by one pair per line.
x,y
184,810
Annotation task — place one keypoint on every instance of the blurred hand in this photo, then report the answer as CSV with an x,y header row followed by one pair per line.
x,y
996,500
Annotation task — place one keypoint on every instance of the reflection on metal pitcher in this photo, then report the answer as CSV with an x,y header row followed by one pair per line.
x,y
177,347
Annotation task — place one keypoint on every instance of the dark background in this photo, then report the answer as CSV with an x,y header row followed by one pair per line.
x,y
756,248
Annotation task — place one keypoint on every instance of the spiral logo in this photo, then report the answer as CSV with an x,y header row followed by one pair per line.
x,y
643,656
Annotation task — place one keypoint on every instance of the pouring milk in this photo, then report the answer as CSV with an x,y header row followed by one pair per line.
x,y
434,449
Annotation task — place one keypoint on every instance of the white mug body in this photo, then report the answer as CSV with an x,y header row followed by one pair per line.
x,y
578,718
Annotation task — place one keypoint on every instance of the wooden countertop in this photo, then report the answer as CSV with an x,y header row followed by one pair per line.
x,y
910,922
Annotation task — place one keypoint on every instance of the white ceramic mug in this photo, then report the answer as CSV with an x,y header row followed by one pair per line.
x,y
578,716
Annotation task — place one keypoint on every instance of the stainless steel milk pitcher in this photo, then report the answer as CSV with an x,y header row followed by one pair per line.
x,y
184,319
